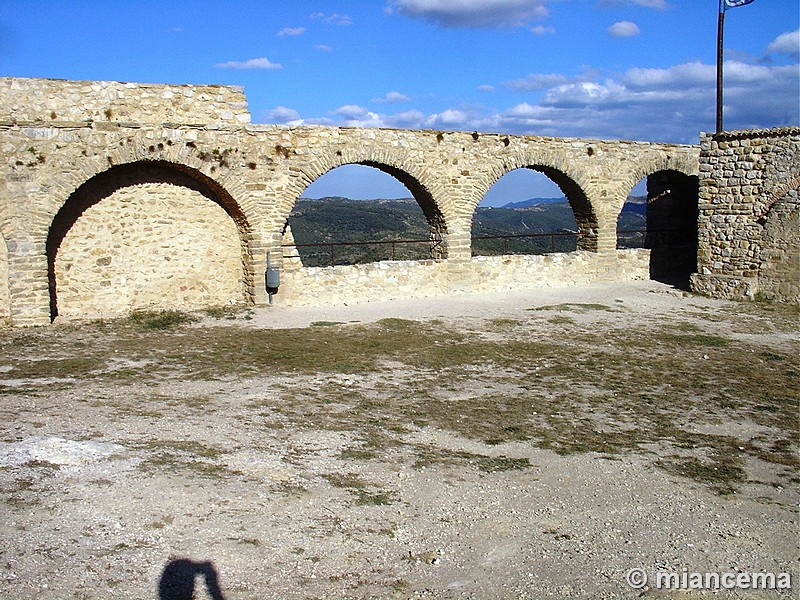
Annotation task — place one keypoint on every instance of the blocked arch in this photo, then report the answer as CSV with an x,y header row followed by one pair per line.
x,y
779,254
141,173
780,192
435,216
567,181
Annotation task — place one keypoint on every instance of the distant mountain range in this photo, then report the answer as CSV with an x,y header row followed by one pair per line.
x,y
634,203
533,202
336,220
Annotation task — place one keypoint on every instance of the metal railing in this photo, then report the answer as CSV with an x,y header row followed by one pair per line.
x,y
553,237
331,246
655,238
551,245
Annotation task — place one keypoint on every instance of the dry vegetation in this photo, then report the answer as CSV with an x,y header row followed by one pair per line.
x,y
707,396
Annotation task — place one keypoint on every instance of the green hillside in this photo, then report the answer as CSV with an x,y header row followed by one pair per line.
x,y
336,220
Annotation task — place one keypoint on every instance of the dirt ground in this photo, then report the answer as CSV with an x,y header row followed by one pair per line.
x,y
532,445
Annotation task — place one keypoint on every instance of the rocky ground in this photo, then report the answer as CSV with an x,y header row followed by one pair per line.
x,y
534,445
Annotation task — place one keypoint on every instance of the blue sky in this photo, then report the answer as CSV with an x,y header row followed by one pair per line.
x,y
612,69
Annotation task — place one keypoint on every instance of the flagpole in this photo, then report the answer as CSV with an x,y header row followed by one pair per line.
x,y
720,30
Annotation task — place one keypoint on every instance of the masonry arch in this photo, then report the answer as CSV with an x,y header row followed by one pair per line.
x,y
570,186
670,211
419,191
524,212
779,257
147,234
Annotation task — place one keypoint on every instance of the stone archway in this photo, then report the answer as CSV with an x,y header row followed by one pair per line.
x,y
582,209
672,226
148,234
437,225
779,269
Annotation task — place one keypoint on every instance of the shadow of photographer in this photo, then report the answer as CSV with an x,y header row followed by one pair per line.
x,y
180,576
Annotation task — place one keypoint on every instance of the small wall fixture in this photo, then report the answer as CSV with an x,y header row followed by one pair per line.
x,y
272,279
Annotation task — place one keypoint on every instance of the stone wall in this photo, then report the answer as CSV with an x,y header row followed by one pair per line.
x,y
149,246
5,301
482,275
748,222
54,100
64,160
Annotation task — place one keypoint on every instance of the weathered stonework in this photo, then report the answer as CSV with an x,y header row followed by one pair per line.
x,y
41,101
391,280
748,240
149,246
67,162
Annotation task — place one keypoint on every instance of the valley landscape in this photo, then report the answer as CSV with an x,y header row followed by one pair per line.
x,y
338,220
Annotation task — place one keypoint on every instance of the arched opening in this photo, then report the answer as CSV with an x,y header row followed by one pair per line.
x,y
362,213
661,215
5,297
632,220
533,210
779,268
149,234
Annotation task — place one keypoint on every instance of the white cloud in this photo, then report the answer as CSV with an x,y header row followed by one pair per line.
x,y
786,43
333,19
282,114
453,117
485,88
536,81
407,119
324,48
392,97
253,63
542,30
472,13
682,76
624,29
350,111
292,31
672,104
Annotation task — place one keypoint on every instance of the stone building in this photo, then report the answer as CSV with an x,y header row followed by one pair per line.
x,y
749,228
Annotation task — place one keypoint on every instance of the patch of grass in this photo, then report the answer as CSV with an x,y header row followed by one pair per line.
x,y
701,339
503,323
360,489
187,455
367,498
84,366
723,474
325,323
578,307
429,456
229,311
397,324
561,320
489,464
160,319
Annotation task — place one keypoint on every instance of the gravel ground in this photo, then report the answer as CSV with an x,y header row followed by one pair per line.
x,y
121,478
